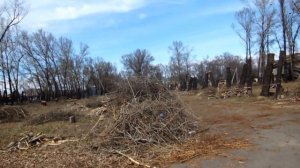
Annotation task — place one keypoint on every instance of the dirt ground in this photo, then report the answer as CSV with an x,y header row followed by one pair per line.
x,y
271,127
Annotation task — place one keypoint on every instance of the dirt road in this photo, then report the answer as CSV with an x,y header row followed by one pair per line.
x,y
273,128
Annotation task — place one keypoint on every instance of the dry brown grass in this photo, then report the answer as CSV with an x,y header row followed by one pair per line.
x,y
52,116
199,146
138,115
12,114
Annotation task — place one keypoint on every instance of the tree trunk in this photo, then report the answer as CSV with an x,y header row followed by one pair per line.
x,y
279,74
267,76
10,85
243,76
228,77
259,69
249,76
205,83
263,65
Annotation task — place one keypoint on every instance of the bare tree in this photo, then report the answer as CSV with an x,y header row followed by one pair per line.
x,y
180,63
282,5
65,65
105,76
264,20
296,6
289,26
11,14
292,31
138,62
245,19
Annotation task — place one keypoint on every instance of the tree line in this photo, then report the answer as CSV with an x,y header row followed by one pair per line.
x,y
266,26
46,67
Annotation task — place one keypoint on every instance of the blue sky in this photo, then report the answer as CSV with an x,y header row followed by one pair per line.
x,y
113,28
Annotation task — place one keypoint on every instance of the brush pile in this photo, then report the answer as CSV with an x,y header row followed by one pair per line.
x,y
12,114
150,116
232,92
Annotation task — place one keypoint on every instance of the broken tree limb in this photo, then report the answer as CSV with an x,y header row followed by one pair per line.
x,y
132,160
90,131
30,140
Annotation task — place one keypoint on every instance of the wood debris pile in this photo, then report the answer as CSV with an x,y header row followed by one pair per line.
x,y
296,95
141,89
152,116
295,99
30,140
233,92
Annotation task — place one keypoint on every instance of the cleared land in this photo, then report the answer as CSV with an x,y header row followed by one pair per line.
x,y
233,132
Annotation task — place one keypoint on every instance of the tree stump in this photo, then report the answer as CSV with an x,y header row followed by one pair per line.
x,y
228,77
249,77
205,82
279,74
72,119
44,103
243,76
267,78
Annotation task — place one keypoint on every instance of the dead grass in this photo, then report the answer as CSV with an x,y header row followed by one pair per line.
x,y
52,116
93,103
202,145
231,113
12,114
208,145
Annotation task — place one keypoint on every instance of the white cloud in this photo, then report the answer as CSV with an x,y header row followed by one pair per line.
x,y
43,12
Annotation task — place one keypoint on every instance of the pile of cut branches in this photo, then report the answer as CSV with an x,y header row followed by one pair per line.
x,y
141,89
153,116
233,92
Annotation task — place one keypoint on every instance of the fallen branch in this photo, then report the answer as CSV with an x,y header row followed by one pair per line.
x,y
132,160
96,124
30,140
